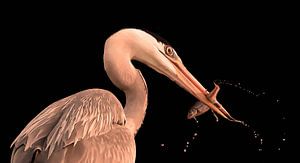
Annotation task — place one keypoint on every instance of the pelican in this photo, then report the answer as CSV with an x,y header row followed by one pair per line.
x,y
91,125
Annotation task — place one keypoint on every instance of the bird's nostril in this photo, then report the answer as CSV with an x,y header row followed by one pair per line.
x,y
217,105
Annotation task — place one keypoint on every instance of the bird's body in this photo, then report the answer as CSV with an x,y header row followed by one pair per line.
x,y
78,128
91,125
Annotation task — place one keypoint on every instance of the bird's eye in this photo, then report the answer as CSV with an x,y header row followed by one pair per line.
x,y
169,50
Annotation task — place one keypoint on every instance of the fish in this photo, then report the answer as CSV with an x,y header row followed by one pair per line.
x,y
200,108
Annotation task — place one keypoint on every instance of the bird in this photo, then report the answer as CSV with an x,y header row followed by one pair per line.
x,y
92,125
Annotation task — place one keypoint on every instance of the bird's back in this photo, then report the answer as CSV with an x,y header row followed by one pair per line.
x,y
116,146
79,123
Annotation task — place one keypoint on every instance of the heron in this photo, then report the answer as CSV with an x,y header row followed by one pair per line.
x,y
92,125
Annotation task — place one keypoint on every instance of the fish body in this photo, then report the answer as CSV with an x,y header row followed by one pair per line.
x,y
200,108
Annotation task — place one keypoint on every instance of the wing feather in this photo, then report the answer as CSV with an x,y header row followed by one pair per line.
x,y
83,115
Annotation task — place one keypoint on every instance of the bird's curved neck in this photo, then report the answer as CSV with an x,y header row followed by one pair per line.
x,y
136,103
118,54
126,77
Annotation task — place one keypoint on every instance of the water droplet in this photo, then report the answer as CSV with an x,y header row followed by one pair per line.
x,y
184,150
187,146
196,119
195,134
259,140
187,142
162,145
245,124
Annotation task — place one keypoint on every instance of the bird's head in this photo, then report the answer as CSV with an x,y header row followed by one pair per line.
x,y
163,58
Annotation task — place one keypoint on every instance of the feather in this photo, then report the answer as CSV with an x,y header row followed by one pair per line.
x,y
85,114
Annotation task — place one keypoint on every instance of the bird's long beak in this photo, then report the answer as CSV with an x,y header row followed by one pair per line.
x,y
186,80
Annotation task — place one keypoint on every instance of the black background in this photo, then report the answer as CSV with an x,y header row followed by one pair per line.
x,y
54,50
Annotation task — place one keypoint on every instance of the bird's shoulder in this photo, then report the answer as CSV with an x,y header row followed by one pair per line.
x,y
85,114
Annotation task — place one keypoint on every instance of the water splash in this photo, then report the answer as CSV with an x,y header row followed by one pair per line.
x,y
257,138
193,137
239,86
